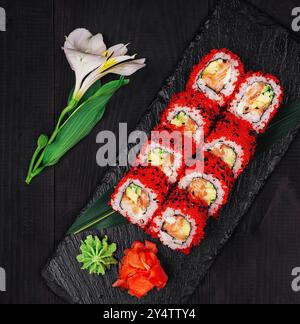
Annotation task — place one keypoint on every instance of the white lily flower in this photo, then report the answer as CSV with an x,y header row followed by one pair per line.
x,y
91,60
84,53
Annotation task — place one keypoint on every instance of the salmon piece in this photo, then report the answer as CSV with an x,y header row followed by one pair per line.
x,y
253,93
215,75
144,201
203,190
257,99
191,126
179,229
167,165
226,153
141,205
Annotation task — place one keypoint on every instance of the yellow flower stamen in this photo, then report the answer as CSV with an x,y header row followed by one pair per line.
x,y
108,64
105,54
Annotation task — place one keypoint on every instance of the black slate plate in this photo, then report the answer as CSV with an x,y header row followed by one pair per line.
x,y
262,45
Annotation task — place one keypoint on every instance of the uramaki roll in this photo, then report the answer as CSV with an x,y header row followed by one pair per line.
x,y
257,100
180,223
140,194
233,142
163,155
217,75
191,113
212,183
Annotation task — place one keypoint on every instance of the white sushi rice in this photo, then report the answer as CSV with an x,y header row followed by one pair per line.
x,y
167,239
237,109
237,148
195,115
229,87
142,218
187,180
178,159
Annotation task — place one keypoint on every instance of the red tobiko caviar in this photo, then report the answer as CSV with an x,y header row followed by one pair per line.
x,y
233,141
141,271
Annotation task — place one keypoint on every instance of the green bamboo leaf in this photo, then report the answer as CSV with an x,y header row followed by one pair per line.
x,y
90,219
286,121
81,123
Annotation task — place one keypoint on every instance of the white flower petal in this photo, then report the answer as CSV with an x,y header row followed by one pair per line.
x,y
74,40
118,50
128,68
124,58
84,62
82,40
94,45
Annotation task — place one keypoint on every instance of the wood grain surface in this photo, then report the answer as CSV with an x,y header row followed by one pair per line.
x,y
34,84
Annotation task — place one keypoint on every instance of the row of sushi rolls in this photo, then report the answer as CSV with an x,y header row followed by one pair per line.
x,y
171,201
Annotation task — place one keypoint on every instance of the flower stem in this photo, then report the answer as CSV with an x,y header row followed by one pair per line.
x,y
35,166
35,155
34,174
70,107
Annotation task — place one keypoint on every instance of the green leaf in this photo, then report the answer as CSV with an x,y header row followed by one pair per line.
x,y
81,123
101,257
90,219
91,91
286,121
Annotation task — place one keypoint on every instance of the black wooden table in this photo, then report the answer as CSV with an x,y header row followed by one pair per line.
x,y
33,82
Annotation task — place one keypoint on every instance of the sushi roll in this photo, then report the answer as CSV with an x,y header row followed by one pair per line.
x,y
233,142
180,223
257,100
212,183
217,75
140,194
191,113
162,155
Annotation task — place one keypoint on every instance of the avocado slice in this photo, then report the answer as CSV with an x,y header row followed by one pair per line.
x,y
180,119
226,153
156,157
211,195
133,192
213,67
265,99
